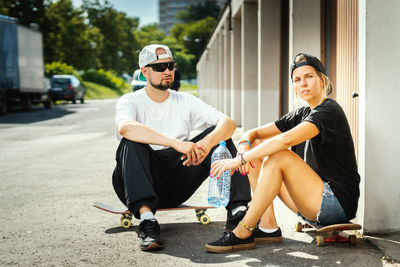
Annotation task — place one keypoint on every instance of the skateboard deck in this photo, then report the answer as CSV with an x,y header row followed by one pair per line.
x,y
126,215
332,233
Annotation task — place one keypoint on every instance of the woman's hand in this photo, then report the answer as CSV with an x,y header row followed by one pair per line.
x,y
220,166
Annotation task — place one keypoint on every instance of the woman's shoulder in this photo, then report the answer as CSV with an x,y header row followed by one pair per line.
x,y
331,105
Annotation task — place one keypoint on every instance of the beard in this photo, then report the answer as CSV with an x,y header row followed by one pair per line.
x,y
162,86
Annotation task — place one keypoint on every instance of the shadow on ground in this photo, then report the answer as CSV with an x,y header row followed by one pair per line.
x,y
36,114
187,240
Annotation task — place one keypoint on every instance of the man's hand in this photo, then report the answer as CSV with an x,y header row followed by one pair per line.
x,y
191,152
204,147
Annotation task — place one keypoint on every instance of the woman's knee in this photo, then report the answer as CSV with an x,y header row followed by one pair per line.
x,y
278,159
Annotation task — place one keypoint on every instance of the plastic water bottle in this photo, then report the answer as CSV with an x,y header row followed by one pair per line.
x,y
219,188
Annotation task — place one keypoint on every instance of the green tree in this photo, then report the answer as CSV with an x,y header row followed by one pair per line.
x,y
54,68
65,35
196,34
193,34
118,50
149,34
186,64
200,11
26,11
5,7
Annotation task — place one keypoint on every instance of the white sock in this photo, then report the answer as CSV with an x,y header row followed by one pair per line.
x,y
268,231
237,209
148,215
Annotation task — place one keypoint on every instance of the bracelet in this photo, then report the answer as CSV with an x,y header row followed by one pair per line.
x,y
251,229
245,141
242,159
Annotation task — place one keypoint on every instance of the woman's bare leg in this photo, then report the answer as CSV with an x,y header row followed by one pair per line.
x,y
268,219
255,172
302,183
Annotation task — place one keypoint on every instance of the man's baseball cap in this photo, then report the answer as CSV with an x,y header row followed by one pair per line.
x,y
308,60
148,54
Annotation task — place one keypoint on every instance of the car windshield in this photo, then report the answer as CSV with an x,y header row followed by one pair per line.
x,y
59,81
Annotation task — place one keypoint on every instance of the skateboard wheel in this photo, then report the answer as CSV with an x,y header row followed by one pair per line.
x,y
320,241
126,216
352,240
299,227
126,223
204,219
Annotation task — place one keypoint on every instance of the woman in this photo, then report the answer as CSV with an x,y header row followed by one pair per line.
x,y
323,188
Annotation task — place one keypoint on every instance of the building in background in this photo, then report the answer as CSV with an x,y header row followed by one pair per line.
x,y
169,8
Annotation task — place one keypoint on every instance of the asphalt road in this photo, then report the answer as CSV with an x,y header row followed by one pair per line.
x,y
53,163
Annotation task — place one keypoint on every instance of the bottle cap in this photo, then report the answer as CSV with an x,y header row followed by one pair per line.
x,y
222,143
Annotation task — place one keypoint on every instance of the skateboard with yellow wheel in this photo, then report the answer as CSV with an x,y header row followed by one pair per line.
x,y
126,215
332,233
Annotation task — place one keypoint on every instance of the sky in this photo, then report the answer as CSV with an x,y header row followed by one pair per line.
x,y
146,10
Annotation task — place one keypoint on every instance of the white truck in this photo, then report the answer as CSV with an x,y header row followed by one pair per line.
x,y
22,79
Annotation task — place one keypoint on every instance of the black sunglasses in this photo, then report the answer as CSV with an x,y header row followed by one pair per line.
x,y
161,67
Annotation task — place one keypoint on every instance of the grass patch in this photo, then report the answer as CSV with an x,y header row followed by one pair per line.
x,y
97,91
189,88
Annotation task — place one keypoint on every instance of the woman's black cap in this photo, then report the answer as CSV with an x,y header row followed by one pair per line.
x,y
309,60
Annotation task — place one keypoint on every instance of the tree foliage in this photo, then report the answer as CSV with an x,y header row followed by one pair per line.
x,y
66,35
27,11
149,34
200,11
60,68
118,49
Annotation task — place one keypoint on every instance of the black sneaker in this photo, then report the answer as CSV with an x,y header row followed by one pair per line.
x,y
261,237
233,220
229,242
149,234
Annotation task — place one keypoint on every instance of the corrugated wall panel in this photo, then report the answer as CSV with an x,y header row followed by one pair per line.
x,y
347,62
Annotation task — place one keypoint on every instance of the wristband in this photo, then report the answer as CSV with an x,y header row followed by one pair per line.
x,y
245,141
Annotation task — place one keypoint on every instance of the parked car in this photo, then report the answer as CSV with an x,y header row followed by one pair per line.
x,y
66,87
138,80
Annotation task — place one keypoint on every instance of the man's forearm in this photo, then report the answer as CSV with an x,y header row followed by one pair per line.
x,y
223,130
140,133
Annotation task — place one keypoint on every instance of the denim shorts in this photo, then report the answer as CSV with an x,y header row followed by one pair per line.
x,y
331,212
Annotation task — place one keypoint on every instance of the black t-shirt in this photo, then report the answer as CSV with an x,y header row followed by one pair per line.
x,y
331,153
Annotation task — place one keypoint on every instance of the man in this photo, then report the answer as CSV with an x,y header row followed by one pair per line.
x,y
157,165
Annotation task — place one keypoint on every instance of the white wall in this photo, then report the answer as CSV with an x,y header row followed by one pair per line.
x,y
304,33
249,65
269,54
379,114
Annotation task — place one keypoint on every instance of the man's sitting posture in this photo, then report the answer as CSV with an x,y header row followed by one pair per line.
x,y
157,165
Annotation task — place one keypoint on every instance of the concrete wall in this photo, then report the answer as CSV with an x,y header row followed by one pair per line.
x,y
249,66
269,51
304,35
236,70
379,120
